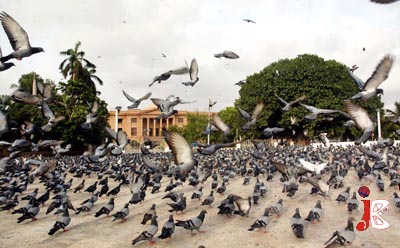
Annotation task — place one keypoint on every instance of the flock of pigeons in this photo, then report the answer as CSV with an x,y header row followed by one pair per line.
x,y
325,168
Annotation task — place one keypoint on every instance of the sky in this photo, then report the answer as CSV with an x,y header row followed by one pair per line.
x,y
125,39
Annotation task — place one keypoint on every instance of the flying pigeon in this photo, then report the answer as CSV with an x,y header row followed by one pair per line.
x,y
241,83
251,119
220,124
92,117
25,97
270,131
316,111
384,1
362,120
4,66
381,73
163,77
249,21
227,54
317,168
3,123
135,102
193,73
288,105
182,151
52,120
18,38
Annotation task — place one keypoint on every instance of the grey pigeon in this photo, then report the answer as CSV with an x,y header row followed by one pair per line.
x,y
316,111
151,213
92,117
122,214
209,199
193,223
384,1
182,151
227,54
62,221
3,123
18,38
297,224
380,74
25,97
288,105
343,236
193,73
362,120
343,196
249,21
251,119
5,66
106,209
270,131
149,233
352,204
168,228
135,102
315,213
220,124
52,120
261,222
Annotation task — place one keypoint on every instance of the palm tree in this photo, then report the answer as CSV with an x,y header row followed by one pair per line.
x,y
78,67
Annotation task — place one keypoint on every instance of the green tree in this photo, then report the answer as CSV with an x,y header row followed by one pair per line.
x,y
232,117
78,67
326,83
196,124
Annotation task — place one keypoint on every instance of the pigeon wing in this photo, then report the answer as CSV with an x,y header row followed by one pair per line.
x,y
131,99
259,107
244,113
380,74
15,33
194,70
145,97
359,115
179,146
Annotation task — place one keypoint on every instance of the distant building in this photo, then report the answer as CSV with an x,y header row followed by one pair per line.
x,y
139,122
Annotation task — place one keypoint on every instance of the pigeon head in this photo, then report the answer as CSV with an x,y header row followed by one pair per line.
x,y
37,50
379,91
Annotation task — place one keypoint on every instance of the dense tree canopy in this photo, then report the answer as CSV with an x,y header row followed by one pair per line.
x,y
326,83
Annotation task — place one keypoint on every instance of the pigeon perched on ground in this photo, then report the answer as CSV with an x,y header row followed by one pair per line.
x,y
178,206
352,204
209,199
149,233
362,120
198,193
31,213
380,74
18,38
194,223
106,209
168,228
396,200
344,236
122,214
135,102
343,196
80,186
62,222
261,222
251,119
149,214
297,224
380,183
315,213
87,207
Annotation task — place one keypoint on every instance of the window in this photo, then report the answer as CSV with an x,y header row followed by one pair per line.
x,y
133,120
180,120
119,129
133,131
119,121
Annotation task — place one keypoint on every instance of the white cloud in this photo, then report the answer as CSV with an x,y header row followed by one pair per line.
x,y
130,36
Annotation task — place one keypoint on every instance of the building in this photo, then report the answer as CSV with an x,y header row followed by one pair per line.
x,y
140,122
